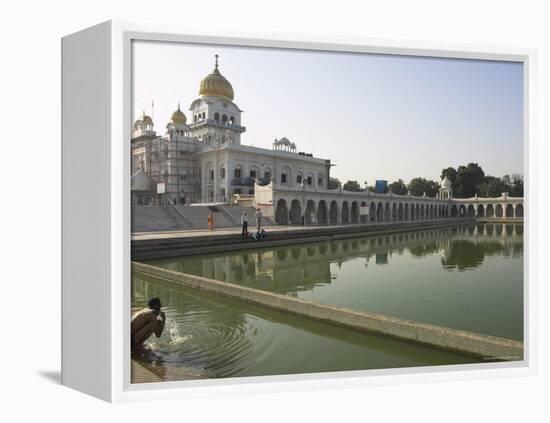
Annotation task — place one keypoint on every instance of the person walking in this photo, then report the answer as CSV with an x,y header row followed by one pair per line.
x,y
244,224
258,216
211,221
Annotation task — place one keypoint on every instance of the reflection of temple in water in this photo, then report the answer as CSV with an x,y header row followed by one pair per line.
x,y
472,244
288,269
292,269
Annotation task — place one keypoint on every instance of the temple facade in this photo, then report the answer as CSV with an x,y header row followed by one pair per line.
x,y
201,160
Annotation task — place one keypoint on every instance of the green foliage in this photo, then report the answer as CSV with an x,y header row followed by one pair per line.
x,y
516,186
468,178
352,186
398,187
467,181
450,173
491,187
334,183
419,186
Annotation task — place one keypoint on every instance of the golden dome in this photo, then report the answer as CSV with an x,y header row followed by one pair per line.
x,y
216,85
178,116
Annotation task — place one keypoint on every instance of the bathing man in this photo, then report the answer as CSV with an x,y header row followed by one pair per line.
x,y
145,323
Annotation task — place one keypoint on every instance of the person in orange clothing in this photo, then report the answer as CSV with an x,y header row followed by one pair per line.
x,y
210,220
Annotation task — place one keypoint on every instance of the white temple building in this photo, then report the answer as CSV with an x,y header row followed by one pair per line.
x,y
202,160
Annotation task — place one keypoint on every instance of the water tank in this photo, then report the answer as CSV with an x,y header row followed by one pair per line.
x,y
381,186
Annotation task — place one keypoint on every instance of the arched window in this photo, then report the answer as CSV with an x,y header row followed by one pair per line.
x,y
209,172
299,178
224,118
217,117
232,120
286,175
238,171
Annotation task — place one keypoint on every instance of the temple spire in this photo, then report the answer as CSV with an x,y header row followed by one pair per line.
x,y
216,56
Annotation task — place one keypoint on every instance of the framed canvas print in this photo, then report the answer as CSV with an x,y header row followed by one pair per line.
x,y
269,212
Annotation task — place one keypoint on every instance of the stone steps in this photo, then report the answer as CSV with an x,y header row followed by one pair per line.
x,y
167,218
155,218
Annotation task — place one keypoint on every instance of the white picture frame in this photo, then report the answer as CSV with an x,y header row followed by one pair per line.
x,y
96,81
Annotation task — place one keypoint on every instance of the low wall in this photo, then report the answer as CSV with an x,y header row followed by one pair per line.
x,y
174,246
499,220
468,343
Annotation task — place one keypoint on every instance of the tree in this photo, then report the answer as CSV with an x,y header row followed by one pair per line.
x,y
398,187
516,186
491,187
419,186
468,178
450,173
334,183
513,185
352,186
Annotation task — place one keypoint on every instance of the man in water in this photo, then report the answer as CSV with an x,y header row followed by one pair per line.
x,y
145,323
258,216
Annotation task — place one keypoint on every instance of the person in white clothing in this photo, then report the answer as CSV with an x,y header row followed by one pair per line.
x,y
259,220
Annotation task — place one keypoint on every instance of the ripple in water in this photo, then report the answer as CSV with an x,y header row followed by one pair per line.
x,y
208,337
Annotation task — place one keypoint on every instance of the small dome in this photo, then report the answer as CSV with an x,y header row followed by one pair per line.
x,y
142,121
147,119
216,85
178,116
446,183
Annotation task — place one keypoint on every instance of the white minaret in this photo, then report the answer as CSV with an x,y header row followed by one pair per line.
x,y
215,119
446,190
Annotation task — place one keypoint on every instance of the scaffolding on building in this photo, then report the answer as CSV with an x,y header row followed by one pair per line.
x,y
173,168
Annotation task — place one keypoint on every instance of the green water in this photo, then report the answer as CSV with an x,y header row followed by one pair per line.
x,y
467,277
215,338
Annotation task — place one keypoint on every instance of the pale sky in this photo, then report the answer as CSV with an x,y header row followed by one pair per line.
x,y
374,116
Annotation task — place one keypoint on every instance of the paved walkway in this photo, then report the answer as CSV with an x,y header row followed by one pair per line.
x,y
144,372
193,233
